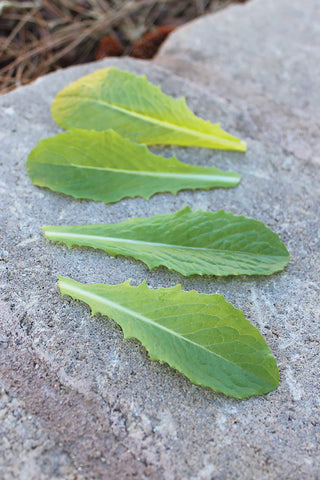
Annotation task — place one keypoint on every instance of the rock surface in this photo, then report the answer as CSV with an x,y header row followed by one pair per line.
x,y
263,57
79,402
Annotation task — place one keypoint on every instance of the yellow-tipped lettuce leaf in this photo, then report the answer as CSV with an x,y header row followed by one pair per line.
x,y
189,242
201,335
136,109
106,167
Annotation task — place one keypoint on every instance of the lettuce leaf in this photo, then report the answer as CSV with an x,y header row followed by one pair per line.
x,y
106,167
202,336
138,110
189,242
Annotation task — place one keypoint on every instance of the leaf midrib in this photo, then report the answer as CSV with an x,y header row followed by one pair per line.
x,y
162,123
232,176
155,244
149,321
228,178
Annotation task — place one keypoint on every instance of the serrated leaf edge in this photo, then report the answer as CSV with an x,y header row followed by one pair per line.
x,y
228,140
69,289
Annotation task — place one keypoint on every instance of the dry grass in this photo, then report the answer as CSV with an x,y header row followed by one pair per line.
x,y
40,36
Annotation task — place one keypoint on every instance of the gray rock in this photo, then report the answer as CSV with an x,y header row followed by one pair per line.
x,y
27,451
263,57
94,404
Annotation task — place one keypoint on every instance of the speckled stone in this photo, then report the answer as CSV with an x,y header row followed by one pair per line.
x,y
264,58
78,401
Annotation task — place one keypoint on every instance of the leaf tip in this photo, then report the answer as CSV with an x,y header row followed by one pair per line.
x,y
242,146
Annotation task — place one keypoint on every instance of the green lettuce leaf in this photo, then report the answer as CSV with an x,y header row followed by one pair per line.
x,y
106,167
189,242
202,336
138,110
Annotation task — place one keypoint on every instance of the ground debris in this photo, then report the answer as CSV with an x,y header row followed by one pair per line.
x,y
40,37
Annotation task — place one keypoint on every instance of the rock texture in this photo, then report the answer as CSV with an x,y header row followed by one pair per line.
x,y
263,57
79,402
